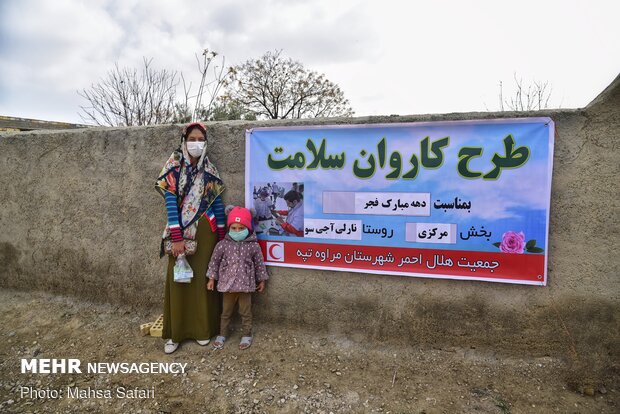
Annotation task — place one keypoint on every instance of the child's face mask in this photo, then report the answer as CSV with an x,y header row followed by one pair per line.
x,y
238,235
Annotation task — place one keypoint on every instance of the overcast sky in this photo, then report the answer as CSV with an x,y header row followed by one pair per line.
x,y
389,57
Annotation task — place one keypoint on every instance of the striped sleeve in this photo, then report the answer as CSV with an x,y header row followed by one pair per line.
x,y
173,216
220,217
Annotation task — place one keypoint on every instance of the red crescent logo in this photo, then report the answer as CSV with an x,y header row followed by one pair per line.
x,y
271,254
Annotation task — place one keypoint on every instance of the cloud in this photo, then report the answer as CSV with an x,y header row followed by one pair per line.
x,y
66,45
515,191
52,49
63,40
389,58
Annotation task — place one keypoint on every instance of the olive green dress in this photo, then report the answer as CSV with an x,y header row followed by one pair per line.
x,y
190,310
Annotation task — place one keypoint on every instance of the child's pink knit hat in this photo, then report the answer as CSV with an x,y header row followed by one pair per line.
x,y
240,215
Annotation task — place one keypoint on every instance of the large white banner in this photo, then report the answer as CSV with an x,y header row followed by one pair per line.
x,y
459,200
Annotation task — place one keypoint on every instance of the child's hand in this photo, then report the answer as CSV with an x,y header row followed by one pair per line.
x,y
210,284
261,286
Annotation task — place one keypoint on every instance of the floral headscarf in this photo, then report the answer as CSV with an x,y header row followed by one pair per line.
x,y
196,187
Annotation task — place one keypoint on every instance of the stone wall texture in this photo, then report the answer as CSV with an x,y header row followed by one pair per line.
x,y
81,217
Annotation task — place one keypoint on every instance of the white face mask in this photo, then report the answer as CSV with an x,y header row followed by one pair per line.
x,y
195,148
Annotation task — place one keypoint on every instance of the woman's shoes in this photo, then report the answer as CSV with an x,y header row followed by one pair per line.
x,y
170,346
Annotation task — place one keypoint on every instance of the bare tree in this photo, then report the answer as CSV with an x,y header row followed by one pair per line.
x,y
534,97
213,76
273,87
126,97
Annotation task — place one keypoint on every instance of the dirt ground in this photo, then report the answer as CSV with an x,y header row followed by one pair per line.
x,y
285,371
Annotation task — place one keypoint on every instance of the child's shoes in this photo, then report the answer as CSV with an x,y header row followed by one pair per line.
x,y
245,343
219,342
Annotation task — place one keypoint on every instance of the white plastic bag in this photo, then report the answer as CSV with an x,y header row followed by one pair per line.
x,y
183,272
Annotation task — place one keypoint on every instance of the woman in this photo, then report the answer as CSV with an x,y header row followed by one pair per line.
x,y
192,189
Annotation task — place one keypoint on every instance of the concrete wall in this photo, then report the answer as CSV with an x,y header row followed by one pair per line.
x,y
80,216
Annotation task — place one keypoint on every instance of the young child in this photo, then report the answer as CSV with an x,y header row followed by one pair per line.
x,y
237,265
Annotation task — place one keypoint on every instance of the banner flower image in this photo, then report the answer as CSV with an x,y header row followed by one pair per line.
x,y
512,242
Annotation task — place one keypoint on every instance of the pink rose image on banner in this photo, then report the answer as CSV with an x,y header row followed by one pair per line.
x,y
512,242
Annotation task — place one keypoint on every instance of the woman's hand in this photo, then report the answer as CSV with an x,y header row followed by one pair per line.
x,y
178,248
210,284
261,286
279,221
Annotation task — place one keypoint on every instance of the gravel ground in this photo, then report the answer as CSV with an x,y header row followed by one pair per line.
x,y
285,371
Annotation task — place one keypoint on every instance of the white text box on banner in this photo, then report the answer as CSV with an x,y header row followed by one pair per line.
x,y
444,233
377,203
333,229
